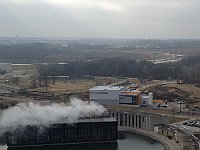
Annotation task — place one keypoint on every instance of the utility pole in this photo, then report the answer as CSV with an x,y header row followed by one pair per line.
x,y
189,100
188,109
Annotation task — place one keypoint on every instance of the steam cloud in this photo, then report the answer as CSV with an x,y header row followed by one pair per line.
x,y
3,147
36,114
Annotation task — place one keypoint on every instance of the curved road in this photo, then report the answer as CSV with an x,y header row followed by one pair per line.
x,y
167,143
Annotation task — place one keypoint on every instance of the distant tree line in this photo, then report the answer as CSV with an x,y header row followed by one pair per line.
x,y
188,69
48,51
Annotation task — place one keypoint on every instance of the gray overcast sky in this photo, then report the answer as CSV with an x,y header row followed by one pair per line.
x,y
101,18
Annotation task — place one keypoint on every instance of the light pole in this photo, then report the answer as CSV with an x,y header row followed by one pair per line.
x,y
189,100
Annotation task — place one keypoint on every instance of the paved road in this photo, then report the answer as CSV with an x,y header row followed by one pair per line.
x,y
190,128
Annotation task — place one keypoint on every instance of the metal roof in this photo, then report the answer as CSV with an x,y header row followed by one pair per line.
x,y
111,88
98,119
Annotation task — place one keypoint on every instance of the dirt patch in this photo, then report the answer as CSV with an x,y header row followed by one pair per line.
x,y
168,93
66,86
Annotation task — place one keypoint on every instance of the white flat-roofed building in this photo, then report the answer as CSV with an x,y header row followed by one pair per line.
x,y
106,95
119,95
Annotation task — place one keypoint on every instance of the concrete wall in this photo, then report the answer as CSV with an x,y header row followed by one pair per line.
x,y
167,132
186,142
107,102
104,94
145,122
138,120
105,97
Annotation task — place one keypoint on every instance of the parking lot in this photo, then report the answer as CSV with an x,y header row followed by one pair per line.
x,y
192,125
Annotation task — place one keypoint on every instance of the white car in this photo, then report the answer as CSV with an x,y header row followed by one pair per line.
x,y
180,102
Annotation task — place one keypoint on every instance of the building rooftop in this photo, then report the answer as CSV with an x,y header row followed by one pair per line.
x,y
145,96
111,88
86,120
105,119
131,91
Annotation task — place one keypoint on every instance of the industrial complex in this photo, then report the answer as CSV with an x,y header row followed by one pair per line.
x,y
123,101
84,131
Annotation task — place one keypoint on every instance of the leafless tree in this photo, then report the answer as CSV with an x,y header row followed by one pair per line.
x,y
33,82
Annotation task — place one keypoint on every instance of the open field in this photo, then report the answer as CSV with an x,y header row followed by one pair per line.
x,y
68,87
172,91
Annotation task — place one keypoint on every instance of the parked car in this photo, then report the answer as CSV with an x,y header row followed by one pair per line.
x,y
197,124
193,123
162,105
185,123
180,102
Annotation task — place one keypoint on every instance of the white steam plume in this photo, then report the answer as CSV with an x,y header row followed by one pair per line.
x,y
3,147
35,114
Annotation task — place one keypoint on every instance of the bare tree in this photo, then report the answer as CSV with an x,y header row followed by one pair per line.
x,y
43,78
33,82
15,80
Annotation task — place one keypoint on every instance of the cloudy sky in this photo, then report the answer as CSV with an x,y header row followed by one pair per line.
x,y
101,18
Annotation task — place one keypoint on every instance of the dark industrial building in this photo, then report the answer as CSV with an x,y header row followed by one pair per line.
x,y
84,131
